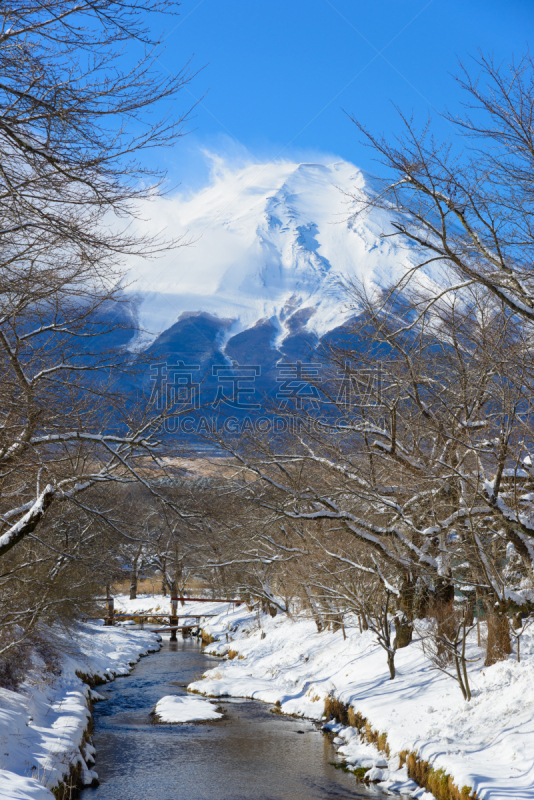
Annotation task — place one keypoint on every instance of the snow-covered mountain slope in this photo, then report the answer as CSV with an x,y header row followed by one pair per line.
x,y
266,241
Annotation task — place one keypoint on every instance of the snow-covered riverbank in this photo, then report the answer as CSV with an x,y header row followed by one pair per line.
x,y
486,745
42,724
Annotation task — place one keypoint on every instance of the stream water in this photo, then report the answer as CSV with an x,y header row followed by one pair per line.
x,y
251,754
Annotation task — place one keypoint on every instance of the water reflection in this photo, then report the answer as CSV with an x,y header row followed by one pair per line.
x,y
250,755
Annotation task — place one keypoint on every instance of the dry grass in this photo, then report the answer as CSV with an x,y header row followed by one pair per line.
x,y
215,467
69,788
436,780
380,740
232,654
145,586
356,720
335,709
276,709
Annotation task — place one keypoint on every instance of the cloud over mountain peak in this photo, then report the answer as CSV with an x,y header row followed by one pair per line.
x,y
265,241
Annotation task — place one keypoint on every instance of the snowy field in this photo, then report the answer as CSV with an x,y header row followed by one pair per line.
x,y
42,724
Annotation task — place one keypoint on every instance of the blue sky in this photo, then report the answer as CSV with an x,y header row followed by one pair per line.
x,y
280,73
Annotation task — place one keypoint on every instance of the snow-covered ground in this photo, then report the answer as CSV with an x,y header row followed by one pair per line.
x,y
487,744
42,724
185,709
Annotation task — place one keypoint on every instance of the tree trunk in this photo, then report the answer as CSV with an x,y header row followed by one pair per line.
x,y
421,601
460,677
477,601
314,611
403,633
163,578
135,573
469,613
444,591
133,583
499,644
442,609
391,665
337,622
405,603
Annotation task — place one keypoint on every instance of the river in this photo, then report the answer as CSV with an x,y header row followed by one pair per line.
x,y
251,754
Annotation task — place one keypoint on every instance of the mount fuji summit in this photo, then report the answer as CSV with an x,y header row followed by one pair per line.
x,y
258,278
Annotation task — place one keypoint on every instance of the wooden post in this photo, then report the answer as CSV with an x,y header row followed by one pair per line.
x,y
478,618
111,611
173,620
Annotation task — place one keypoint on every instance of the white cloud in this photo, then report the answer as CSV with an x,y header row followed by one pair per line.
x,y
260,236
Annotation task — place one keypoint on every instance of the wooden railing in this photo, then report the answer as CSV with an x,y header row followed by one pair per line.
x,y
173,617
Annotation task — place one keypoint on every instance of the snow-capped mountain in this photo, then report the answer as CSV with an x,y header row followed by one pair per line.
x,y
267,245
257,283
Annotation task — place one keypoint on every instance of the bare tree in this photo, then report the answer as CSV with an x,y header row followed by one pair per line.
x,y
77,115
517,628
73,125
418,457
444,643
466,203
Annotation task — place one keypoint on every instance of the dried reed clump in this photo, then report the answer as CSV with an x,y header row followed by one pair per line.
x,y
336,709
232,654
380,740
69,787
277,708
207,638
356,720
436,780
